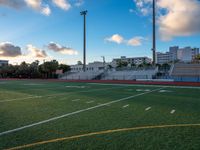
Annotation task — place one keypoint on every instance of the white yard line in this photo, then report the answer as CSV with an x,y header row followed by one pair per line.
x,y
16,99
75,112
126,106
172,111
51,95
75,100
148,108
89,102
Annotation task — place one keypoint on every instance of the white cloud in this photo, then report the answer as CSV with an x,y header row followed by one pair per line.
x,y
116,38
8,49
46,11
38,6
12,3
181,19
41,5
175,17
36,52
61,49
135,41
63,4
79,3
144,6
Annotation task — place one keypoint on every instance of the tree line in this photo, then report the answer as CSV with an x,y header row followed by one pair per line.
x,y
33,70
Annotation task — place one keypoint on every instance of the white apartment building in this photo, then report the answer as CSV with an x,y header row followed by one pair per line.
x,y
131,60
186,54
95,66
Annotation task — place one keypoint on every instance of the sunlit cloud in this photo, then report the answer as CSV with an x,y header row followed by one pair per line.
x,y
41,6
63,4
116,38
61,49
36,52
175,18
12,3
135,41
38,6
8,49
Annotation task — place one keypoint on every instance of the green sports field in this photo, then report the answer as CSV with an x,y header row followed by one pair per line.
x,y
59,115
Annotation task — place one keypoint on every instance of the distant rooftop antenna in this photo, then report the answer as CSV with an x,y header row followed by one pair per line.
x,y
84,13
154,33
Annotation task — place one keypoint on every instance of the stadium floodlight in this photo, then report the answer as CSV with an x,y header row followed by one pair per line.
x,y
104,62
84,13
154,33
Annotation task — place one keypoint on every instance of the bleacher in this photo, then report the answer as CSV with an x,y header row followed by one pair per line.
x,y
186,72
111,75
88,75
130,74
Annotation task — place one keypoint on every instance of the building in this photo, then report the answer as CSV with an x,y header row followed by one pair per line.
x,y
131,60
187,54
175,53
95,66
167,57
3,63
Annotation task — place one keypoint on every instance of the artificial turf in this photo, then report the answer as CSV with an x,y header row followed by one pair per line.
x,y
29,101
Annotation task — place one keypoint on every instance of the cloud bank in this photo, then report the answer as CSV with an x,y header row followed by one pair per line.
x,y
61,49
116,38
8,49
41,6
36,52
175,18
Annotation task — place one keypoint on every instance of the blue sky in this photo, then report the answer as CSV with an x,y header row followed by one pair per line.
x,y
107,21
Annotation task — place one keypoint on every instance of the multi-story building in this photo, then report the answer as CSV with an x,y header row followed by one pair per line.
x,y
3,63
131,60
170,56
186,54
95,66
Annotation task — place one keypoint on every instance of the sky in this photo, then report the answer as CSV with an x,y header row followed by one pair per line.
x,y
53,29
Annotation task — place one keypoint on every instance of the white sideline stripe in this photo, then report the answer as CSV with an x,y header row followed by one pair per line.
x,y
143,85
148,108
125,106
60,99
173,111
75,112
90,102
31,97
75,100
16,99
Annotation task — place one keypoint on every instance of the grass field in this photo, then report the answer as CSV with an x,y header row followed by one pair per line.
x,y
60,115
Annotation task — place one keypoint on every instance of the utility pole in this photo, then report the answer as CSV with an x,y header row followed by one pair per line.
x,y
104,62
84,13
154,33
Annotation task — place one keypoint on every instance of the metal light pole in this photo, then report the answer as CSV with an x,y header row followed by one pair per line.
x,y
104,62
84,13
154,33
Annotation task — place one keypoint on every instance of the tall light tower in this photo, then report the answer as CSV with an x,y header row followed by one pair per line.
x,y
84,13
154,33
104,62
